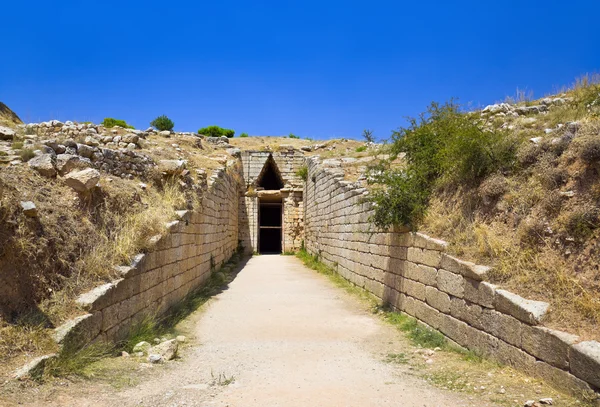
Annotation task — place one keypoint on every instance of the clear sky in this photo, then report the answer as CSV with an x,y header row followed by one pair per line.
x,y
314,68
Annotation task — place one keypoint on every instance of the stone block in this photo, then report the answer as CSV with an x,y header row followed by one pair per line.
x,y
424,256
463,268
413,289
549,345
515,357
480,292
451,283
427,314
454,329
421,273
481,342
528,311
425,242
502,326
98,298
467,312
585,361
561,379
437,299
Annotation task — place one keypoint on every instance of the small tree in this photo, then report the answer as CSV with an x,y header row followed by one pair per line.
x,y
292,135
109,122
244,135
162,123
216,131
368,136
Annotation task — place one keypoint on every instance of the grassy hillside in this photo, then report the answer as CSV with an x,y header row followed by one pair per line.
x,y
8,117
515,186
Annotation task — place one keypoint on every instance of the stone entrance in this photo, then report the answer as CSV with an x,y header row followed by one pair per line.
x,y
271,210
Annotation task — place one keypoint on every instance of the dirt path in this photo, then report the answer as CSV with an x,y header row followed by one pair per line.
x,y
281,335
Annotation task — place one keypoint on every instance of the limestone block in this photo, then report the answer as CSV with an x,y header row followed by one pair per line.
x,y
485,344
425,242
560,379
528,311
454,329
424,256
549,345
427,314
464,268
585,361
515,357
423,274
502,326
79,331
469,313
110,316
480,292
98,298
409,305
437,299
413,289
451,283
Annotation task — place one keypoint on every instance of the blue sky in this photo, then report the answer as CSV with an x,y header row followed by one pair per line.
x,y
318,69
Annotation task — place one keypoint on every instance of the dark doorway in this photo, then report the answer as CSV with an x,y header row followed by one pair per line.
x,y
269,225
269,178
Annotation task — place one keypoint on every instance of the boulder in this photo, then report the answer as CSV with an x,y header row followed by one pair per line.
x,y
29,209
165,133
85,151
6,133
44,165
167,350
84,180
67,162
171,167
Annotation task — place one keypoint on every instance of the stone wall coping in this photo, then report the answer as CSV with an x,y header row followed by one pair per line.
x,y
529,311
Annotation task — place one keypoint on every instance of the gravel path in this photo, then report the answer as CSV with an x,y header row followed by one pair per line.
x,y
283,335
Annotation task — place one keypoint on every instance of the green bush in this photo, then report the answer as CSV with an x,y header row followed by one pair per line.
x,y
244,135
216,131
292,135
442,147
109,122
361,149
303,173
162,123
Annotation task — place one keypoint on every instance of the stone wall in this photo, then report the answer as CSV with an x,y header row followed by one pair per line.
x,y
413,273
179,262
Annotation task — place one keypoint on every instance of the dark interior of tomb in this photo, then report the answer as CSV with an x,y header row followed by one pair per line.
x,y
270,179
269,240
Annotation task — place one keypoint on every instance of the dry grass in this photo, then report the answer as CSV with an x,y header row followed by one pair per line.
x,y
70,247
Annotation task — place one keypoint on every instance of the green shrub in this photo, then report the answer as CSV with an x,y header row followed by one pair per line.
x,y
17,145
303,173
162,123
292,135
216,131
442,147
109,122
361,149
26,154
244,135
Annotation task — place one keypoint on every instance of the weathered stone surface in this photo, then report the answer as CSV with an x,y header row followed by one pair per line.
x,y
421,273
424,256
561,379
164,133
469,313
515,357
464,268
96,299
171,167
528,311
437,299
33,369
83,181
6,133
502,326
451,283
548,345
167,349
585,361
29,209
78,331
480,292
425,242
67,162
44,165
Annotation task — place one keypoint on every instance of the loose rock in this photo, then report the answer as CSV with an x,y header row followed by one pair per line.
x,y
83,181
44,165
143,347
29,209
167,349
